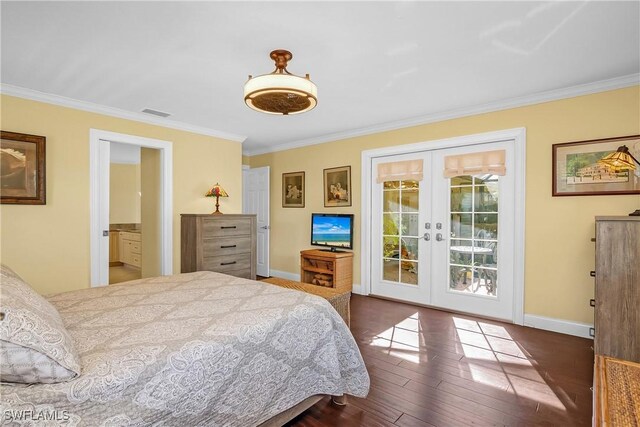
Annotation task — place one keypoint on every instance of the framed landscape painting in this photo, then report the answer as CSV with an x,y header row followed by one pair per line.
x,y
293,190
22,169
578,171
337,187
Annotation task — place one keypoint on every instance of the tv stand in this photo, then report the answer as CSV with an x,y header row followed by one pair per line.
x,y
323,267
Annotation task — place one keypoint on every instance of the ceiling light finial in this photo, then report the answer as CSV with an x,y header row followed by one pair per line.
x,y
281,92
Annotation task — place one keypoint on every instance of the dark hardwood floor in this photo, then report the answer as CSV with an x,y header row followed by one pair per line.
x,y
433,368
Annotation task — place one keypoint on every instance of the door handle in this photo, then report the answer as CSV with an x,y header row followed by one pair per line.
x,y
426,237
265,227
439,237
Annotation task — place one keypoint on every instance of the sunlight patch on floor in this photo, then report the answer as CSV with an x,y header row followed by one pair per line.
x,y
484,343
402,340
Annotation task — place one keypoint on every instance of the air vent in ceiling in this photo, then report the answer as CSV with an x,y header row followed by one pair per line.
x,y
156,112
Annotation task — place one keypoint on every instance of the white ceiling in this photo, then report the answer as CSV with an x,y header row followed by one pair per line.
x,y
375,63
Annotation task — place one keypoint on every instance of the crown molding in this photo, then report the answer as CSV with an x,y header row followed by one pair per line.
x,y
48,98
537,98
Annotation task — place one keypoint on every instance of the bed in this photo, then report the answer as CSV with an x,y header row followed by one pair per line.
x,y
200,348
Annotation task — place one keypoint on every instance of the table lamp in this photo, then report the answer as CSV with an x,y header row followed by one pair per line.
x,y
622,159
217,192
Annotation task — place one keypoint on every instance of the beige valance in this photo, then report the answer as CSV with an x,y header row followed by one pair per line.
x,y
475,164
400,171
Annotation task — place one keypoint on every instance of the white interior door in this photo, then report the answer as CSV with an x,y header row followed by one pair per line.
x,y
437,241
256,201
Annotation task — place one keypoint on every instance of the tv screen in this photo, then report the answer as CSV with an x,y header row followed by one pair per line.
x,y
332,230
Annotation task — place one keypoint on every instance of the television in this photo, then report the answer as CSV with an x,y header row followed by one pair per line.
x,y
332,230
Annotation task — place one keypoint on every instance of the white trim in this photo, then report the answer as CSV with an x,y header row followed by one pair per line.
x,y
357,289
537,98
518,135
49,98
285,275
96,198
562,326
246,167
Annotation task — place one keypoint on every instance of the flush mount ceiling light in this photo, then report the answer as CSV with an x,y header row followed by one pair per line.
x,y
280,92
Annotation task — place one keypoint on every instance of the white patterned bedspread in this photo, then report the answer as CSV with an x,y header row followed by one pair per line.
x,y
196,349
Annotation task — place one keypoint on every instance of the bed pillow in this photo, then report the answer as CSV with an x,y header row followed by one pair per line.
x,y
35,347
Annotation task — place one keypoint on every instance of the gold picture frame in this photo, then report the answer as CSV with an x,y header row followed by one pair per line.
x,y
22,170
337,187
293,190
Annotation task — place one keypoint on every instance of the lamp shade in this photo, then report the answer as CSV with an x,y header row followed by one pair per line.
x,y
217,191
620,159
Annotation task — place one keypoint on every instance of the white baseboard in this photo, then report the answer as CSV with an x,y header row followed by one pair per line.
x,y
558,325
285,275
358,289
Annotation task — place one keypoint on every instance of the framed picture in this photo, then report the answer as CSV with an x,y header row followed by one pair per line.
x,y
578,172
22,169
293,190
337,187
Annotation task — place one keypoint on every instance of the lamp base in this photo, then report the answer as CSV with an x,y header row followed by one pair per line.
x,y
217,211
635,213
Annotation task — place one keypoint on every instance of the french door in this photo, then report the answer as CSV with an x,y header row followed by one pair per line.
x,y
446,242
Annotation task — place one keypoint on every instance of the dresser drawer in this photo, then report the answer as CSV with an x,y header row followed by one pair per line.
x,y
225,227
132,259
125,235
227,263
226,246
131,246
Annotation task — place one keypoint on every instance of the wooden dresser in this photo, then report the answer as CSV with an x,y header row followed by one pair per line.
x,y
617,293
223,243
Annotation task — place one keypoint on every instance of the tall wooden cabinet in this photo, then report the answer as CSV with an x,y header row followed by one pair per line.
x,y
223,243
617,293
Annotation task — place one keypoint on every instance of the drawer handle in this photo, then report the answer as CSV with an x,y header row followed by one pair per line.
x,y
592,302
592,332
592,273
227,246
229,226
227,263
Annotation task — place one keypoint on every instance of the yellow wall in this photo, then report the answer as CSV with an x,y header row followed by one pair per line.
x,y
151,207
49,245
124,193
559,254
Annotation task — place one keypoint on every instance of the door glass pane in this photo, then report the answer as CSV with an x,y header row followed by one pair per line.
x,y
410,200
390,224
390,201
473,258
390,270
400,231
462,225
461,199
410,225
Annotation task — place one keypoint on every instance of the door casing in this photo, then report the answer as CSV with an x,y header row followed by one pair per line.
x,y
517,136
251,206
99,154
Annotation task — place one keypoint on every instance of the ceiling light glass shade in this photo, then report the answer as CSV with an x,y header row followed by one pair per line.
x,y
280,92
619,159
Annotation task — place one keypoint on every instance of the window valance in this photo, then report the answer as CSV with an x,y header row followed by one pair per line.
x,y
400,171
486,162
